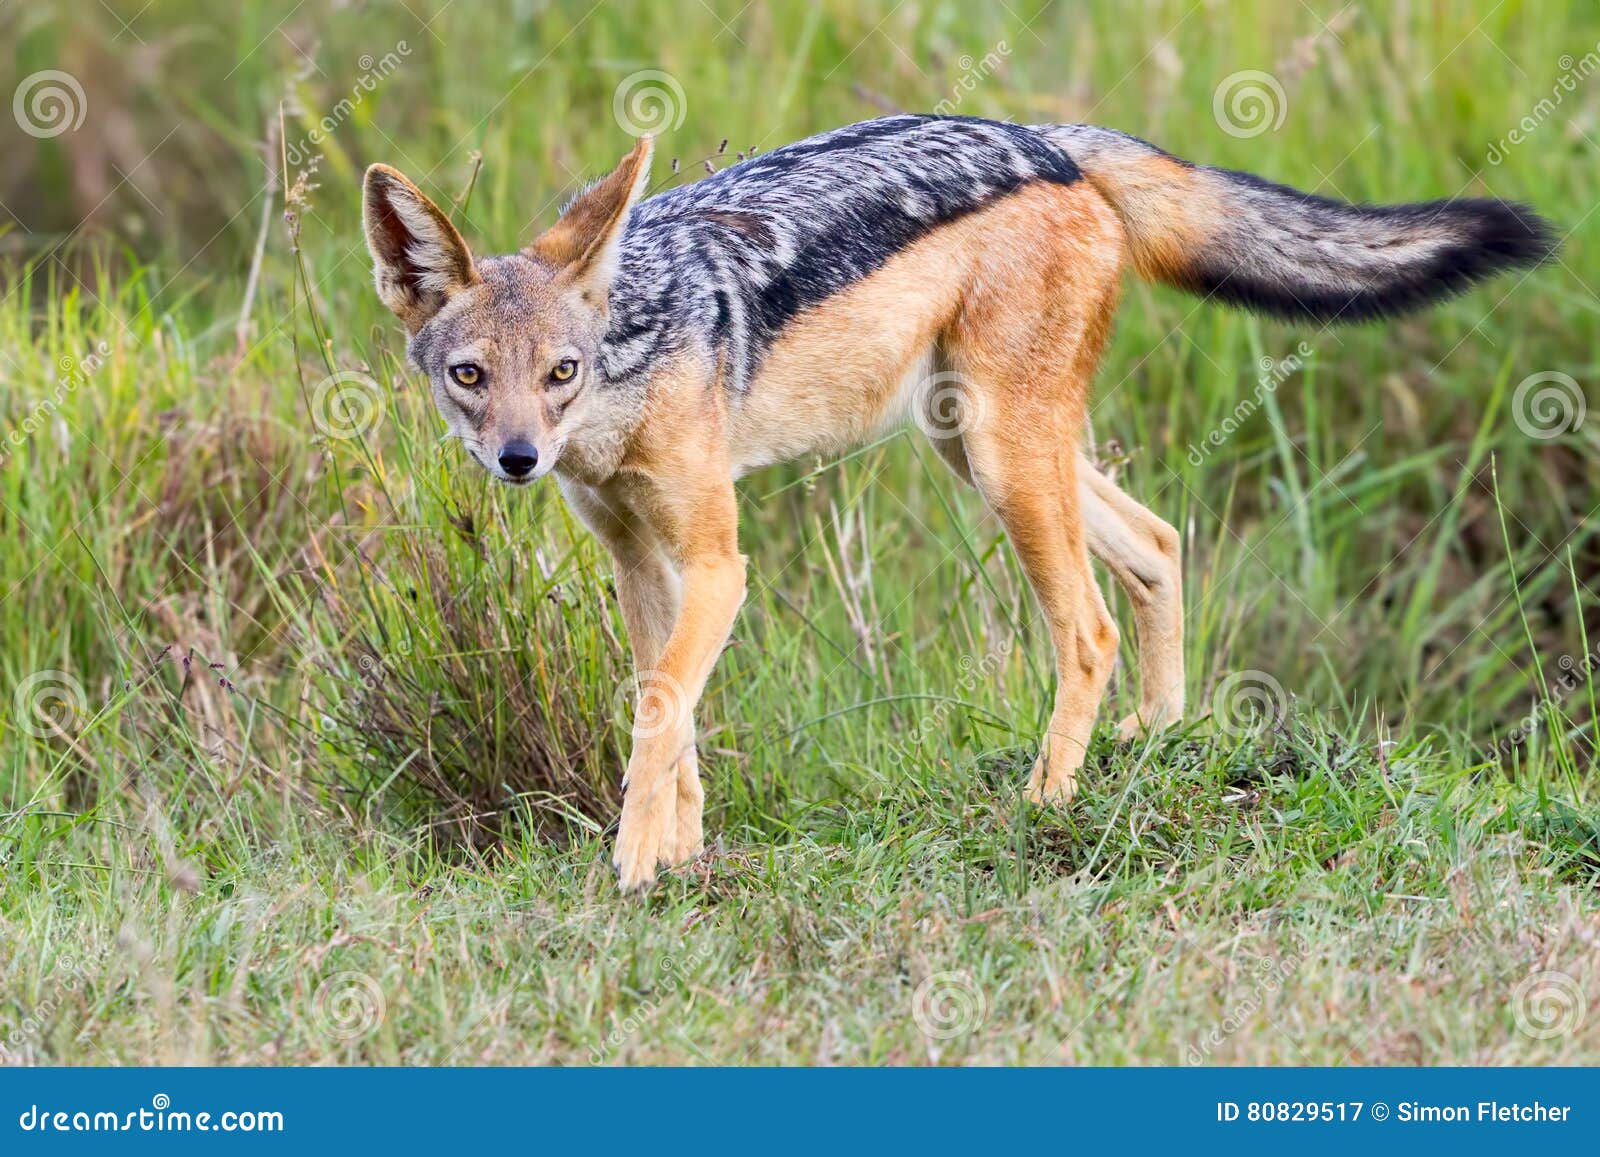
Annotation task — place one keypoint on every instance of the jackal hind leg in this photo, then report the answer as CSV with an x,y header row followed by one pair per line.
x,y
1022,463
1142,553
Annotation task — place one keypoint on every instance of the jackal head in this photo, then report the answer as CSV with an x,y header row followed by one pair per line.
x,y
509,344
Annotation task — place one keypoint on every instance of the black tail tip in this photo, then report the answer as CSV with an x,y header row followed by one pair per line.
x,y
1507,235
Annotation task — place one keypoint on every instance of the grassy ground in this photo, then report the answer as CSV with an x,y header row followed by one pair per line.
x,y
310,735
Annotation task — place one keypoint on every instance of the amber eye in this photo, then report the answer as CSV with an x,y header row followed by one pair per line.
x,y
564,369
466,374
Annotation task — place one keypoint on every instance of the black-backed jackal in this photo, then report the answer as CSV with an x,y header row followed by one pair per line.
x,y
651,350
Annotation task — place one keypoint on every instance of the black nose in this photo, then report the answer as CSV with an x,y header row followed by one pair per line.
x,y
518,459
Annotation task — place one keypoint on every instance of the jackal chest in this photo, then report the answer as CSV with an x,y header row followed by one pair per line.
x,y
827,411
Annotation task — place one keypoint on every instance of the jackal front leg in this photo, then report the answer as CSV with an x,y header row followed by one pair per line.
x,y
649,591
703,536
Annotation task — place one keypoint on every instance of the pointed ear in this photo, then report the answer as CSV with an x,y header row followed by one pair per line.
x,y
418,258
585,245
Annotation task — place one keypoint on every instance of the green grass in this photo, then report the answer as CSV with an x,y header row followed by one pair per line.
x,y
339,740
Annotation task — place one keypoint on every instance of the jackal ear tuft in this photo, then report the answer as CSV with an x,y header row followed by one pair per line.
x,y
586,244
418,257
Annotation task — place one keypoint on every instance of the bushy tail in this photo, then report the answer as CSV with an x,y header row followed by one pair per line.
x,y
1278,251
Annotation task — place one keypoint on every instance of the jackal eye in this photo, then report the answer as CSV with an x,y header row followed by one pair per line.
x,y
564,369
466,374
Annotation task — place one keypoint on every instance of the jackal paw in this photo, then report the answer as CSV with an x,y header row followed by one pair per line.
x,y
1148,721
1130,728
690,830
1047,787
648,834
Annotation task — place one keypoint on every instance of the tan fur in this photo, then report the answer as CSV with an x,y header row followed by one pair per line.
x,y
1142,553
1028,338
1023,336
1010,307
677,481
395,212
582,242
1170,213
834,375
